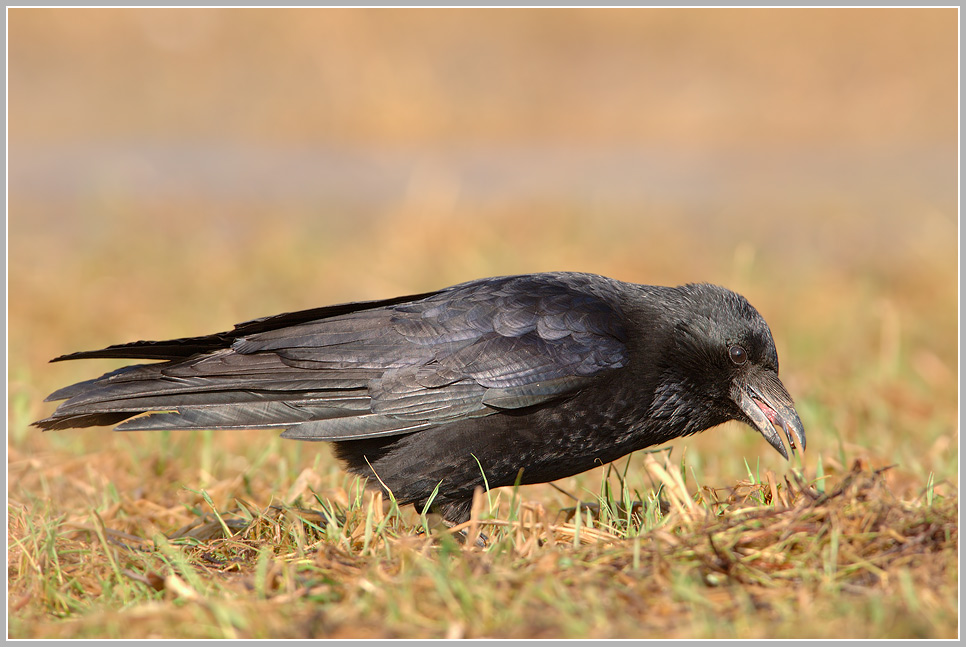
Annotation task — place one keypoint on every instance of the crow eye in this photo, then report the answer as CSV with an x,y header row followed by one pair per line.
x,y
737,355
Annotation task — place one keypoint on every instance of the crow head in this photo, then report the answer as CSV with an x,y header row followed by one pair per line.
x,y
720,365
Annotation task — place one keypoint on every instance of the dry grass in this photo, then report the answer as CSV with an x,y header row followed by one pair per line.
x,y
779,558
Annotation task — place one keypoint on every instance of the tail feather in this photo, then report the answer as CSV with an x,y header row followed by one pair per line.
x,y
71,421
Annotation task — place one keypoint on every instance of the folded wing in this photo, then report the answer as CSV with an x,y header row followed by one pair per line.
x,y
368,369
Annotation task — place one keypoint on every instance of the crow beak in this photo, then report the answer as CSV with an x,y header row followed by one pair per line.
x,y
767,405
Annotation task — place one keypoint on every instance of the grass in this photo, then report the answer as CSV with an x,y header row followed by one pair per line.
x,y
771,557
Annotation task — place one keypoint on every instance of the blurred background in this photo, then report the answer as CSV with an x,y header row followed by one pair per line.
x,y
175,171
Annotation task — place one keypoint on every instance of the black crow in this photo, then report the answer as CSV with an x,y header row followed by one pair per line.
x,y
540,375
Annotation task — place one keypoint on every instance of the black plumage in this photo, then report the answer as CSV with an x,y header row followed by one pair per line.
x,y
552,374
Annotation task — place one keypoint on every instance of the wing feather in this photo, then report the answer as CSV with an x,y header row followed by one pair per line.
x,y
382,368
